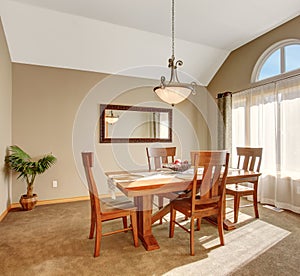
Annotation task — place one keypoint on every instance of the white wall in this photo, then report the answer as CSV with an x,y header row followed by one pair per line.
x,y
46,37
5,118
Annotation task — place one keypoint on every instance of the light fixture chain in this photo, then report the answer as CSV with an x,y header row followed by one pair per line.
x,y
173,31
173,92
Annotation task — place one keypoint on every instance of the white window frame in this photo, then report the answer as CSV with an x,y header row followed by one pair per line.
x,y
266,54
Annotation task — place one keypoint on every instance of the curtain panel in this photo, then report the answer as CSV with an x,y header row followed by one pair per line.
x,y
224,101
268,116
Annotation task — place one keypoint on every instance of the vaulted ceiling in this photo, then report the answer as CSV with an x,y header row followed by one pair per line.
x,y
132,37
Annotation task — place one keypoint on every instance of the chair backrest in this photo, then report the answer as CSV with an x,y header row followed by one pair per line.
x,y
215,169
160,156
88,163
249,159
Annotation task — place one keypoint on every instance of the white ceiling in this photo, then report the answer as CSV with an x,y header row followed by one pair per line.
x,y
218,23
206,30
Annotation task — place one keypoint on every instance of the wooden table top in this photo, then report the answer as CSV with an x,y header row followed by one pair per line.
x,y
135,183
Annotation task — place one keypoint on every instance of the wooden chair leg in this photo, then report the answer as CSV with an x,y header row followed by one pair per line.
x,y
255,204
160,205
93,223
220,228
172,222
98,239
236,207
198,224
192,231
125,224
133,220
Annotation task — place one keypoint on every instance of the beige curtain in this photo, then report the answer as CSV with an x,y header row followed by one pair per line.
x,y
225,121
268,116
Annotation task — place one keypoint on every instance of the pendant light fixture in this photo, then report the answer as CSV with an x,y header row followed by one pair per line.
x,y
174,92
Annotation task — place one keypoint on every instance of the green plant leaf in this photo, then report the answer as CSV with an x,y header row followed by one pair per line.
x,y
21,162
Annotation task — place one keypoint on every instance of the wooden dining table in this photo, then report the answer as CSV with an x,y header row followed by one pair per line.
x,y
143,185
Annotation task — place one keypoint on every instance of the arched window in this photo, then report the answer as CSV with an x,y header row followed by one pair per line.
x,y
280,58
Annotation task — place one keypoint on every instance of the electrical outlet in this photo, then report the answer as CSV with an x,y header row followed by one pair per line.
x,y
54,183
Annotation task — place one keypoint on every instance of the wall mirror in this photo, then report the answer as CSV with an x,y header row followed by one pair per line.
x,y
135,124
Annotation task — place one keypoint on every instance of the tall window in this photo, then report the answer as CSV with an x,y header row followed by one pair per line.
x,y
281,58
268,116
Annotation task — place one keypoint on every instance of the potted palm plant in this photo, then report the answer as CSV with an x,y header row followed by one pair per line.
x,y
28,168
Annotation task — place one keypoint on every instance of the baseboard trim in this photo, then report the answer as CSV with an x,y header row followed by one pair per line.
x,y
3,215
45,202
63,200
53,201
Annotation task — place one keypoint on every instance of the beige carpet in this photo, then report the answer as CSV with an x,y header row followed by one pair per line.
x,y
242,245
52,240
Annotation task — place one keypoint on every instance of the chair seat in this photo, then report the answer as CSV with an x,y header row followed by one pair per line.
x,y
109,205
237,188
185,205
175,195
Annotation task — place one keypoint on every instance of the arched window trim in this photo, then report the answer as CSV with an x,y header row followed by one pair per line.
x,y
266,54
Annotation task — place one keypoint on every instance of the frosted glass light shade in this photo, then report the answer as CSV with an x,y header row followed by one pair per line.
x,y
173,94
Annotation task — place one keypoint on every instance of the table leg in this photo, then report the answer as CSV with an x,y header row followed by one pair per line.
x,y
161,213
144,217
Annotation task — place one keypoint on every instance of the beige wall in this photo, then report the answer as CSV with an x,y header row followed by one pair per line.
x,y
5,118
45,102
57,110
235,73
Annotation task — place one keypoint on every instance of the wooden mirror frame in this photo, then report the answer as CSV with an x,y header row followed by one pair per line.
x,y
104,139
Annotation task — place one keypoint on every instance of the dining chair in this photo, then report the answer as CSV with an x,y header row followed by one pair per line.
x,y
106,209
156,158
207,198
249,159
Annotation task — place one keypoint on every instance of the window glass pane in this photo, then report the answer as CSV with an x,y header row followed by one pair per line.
x,y
292,57
271,67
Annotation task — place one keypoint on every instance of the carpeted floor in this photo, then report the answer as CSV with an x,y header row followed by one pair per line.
x,y
52,240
